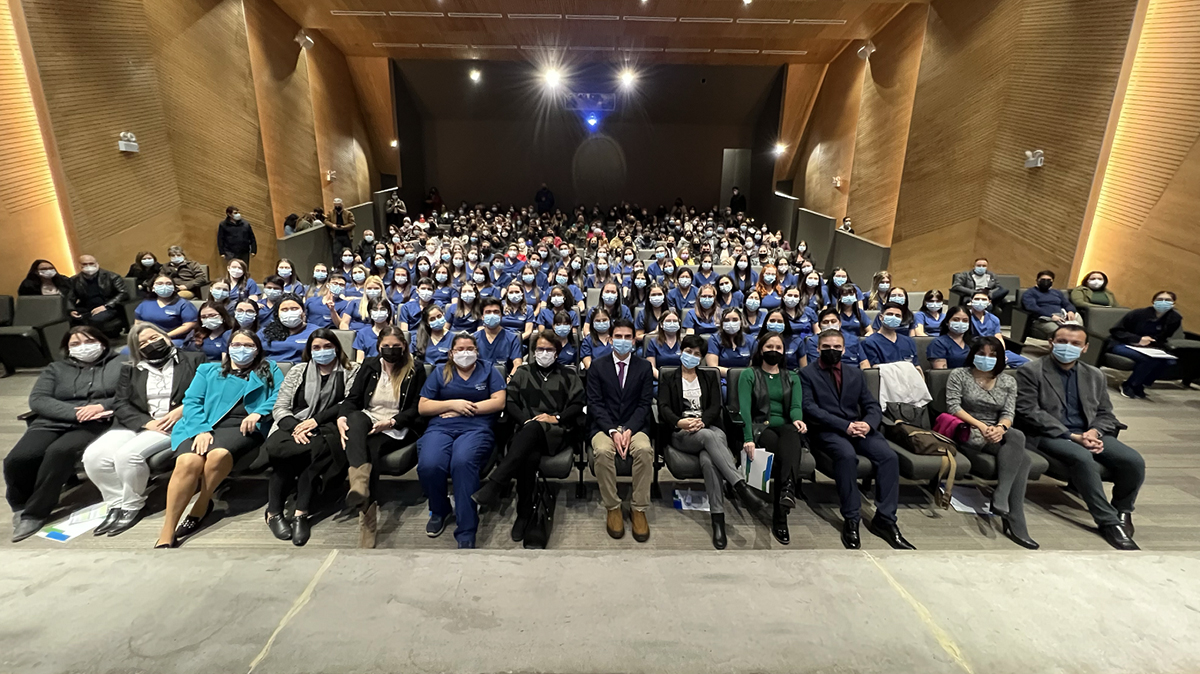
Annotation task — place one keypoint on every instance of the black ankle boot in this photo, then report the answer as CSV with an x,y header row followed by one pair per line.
x,y
779,526
750,499
718,526
787,495
488,495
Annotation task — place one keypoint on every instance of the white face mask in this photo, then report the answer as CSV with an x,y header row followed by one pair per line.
x,y
292,318
465,359
544,358
1096,283
86,353
235,273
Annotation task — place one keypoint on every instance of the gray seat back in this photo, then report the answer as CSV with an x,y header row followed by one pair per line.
x,y
38,310
922,345
7,307
936,380
593,297
346,337
723,269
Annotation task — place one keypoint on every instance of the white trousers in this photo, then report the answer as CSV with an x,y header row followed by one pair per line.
x,y
116,463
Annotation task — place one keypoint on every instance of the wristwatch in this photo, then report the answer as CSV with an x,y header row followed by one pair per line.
x,y
557,419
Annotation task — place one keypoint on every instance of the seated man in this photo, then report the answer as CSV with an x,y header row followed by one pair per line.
x,y
967,283
95,297
187,274
620,390
1050,307
1064,410
843,419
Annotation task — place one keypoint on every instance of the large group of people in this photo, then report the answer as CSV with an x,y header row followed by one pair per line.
x,y
492,330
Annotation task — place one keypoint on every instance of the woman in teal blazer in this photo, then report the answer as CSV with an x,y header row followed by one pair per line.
x,y
222,409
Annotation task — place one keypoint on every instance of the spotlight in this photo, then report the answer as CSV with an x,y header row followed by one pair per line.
x,y
591,120
395,143
627,78
780,148
552,78
476,76
746,2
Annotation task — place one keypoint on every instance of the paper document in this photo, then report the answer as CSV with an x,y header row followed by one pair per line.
x,y
758,471
1151,351
691,499
80,522
970,500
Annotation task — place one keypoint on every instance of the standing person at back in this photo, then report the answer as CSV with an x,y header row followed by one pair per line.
x,y
620,390
235,237
340,223
737,202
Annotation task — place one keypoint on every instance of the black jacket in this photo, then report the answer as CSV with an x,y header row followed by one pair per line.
x,y
670,397
363,389
533,390
236,238
145,277
112,287
67,384
609,405
827,410
131,407
737,203
33,286
1144,322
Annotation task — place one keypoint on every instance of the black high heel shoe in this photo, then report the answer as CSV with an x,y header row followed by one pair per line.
x,y
1027,543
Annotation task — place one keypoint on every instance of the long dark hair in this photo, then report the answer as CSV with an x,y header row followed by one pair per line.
x,y
34,278
951,313
756,359
202,333
997,351
260,366
90,331
330,336
275,330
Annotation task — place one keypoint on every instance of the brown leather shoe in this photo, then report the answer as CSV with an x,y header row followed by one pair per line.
x,y
616,523
641,527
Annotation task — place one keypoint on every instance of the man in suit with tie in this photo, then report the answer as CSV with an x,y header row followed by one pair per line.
x,y
844,418
620,390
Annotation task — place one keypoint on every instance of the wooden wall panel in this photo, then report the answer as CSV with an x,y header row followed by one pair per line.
x,y
117,201
928,260
1145,234
343,143
883,122
373,84
802,82
829,140
285,113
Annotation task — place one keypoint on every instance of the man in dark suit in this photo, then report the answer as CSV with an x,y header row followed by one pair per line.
x,y
1064,409
979,278
620,390
844,417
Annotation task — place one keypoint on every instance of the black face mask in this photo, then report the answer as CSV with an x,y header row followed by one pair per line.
x,y
1044,284
831,357
772,357
393,354
157,350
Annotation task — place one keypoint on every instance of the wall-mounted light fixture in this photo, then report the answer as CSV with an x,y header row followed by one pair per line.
x,y
127,142
1035,158
837,182
303,40
865,51
395,143
330,176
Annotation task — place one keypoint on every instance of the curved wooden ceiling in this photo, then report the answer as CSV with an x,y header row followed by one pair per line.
x,y
764,32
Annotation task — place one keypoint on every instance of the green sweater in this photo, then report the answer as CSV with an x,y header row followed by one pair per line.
x,y
745,386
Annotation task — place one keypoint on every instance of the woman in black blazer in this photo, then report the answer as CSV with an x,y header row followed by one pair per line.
x,y
149,400
689,401
43,279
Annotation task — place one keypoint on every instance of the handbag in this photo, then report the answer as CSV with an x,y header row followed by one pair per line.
x,y
924,441
952,427
541,518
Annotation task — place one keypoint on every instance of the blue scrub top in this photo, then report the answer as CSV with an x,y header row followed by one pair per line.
x,y
988,327
736,298
617,311
701,325
514,319
682,301
243,290
317,313
483,382
879,349
169,317
731,357
943,346
576,294
754,322
410,313
702,279
437,352
367,341
398,297
933,324
664,355
793,350
264,313
851,355
503,351
545,318
289,349
569,354
853,322
594,348
355,308
826,299
295,287
444,295
212,348
645,321
463,322
802,325
771,301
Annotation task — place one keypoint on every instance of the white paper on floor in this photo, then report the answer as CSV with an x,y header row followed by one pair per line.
x,y
970,500
690,499
80,522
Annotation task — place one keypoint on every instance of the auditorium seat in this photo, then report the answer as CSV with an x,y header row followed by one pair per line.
x,y
734,430
7,306
593,298
916,467
346,337
723,269
32,340
404,459
625,466
922,358
1099,327
645,254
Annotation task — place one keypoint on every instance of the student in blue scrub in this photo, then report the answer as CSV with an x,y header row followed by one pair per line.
x,y
219,292
753,313
557,299
458,267
731,347
927,321
776,323
379,266
610,301
167,310
463,312
366,339
562,277
950,348
706,276
810,291
461,398
663,345
887,345
839,279
517,316
212,337
745,278
568,339
424,268
358,308
513,265
241,286
897,296
655,269
787,274
602,273
827,319
483,283
284,338
702,319
346,269
769,288
358,276
800,318
647,320
598,342
535,264
245,316
637,290
727,295
432,345
529,287
400,289
850,314
497,346
272,292
683,296
321,302
986,324
287,271
411,312
668,275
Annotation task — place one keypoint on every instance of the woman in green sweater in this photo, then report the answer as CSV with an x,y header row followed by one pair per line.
x,y
769,399
1094,292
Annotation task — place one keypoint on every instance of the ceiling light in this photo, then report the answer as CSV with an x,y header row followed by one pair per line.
x,y
627,78
395,143
746,2
476,76
553,77
780,148
592,120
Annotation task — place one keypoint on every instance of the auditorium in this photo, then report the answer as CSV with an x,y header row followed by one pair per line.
x,y
583,336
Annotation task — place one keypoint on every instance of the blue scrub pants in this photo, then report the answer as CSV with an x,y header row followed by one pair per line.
x,y
457,454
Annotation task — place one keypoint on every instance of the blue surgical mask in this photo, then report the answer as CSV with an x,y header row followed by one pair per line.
x,y
320,276
670,327
685,281
528,278
776,326
220,294
242,355
959,327
285,272
791,302
491,320
933,306
437,323
980,305
839,281
849,299
656,300
440,277
892,322
639,283
164,290
609,298
1163,306
1066,353
768,278
688,360
324,356
292,318
752,305
812,282
561,280
273,294
424,294
373,293
600,326
358,277
980,271
622,346
707,302
984,363
562,330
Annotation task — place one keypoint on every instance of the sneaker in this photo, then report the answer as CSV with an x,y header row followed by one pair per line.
x,y
1127,392
436,526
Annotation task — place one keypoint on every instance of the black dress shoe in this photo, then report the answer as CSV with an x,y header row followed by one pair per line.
x,y
126,522
889,532
191,524
779,527
1126,522
110,519
787,495
1116,537
519,526
301,530
27,527
488,495
279,525
850,537
718,526
1027,543
750,499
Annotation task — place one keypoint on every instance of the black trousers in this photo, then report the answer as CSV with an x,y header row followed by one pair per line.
x,y
524,454
786,443
298,468
337,242
41,463
845,452
362,447
109,321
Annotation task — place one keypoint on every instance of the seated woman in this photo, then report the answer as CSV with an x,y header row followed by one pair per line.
x,y
366,340
683,296
497,346
517,315
690,403
148,403
432,345
663,345
43,279
378,417
287,271
245,315
637,290
702,318
241,286
777,323
949,349
400,289
322,300
731,347
769,399
888,345
211,339
286,335
810,291
1151,327
461,398
346,270
568,340
881,288
143,270
558,298
168,310
706,276
828,319
849,313
304,448
544,401
983,396
598,343
484,285
984,323
610,301
646,321
927,322
898,296
1094,292
463,312
411,312
528,283
769,288
839,278
73,399
358,309
272,292
801,319
755,314
221,412
219,292
727,295
358,276
443,285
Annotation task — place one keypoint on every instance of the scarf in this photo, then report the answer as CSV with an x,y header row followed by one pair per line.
x,y
319,397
